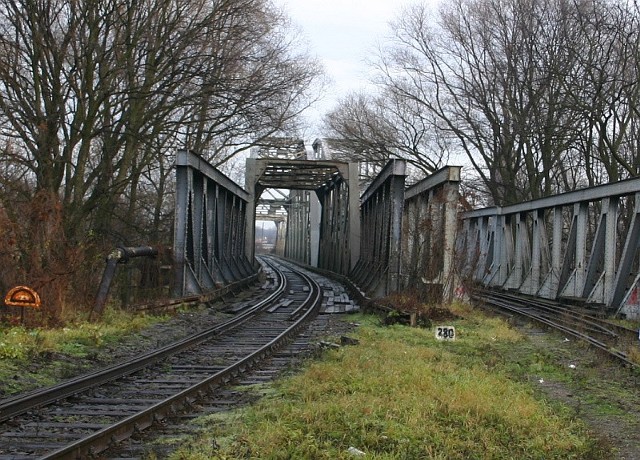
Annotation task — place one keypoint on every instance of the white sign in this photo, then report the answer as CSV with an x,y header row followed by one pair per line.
x,y
445,333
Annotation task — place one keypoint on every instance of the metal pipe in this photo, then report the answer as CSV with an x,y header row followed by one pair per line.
x,y
119,255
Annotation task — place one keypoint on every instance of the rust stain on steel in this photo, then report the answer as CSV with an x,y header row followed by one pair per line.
x,y
22,296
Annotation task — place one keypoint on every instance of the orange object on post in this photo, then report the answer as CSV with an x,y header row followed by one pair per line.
x,y
22,296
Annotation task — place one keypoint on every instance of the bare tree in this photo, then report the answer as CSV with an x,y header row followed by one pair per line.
x,y
374,129
487,73
254,86
96,95
606,90
540,95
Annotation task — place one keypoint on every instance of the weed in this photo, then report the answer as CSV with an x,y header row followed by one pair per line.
x,y
634,354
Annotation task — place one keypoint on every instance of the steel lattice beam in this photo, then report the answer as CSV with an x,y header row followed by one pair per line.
x,y
209,236
591,256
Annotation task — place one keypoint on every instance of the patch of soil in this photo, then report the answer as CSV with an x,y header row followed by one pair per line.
x,y
439,314
602,393
425,317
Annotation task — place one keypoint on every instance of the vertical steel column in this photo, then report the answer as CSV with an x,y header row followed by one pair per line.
x,y
411,243
181,230
252,172
353,210
531,283
315,229
462,248
550,285
493,249
222,234
515,277
232,232
396,204
600,272
503,250
209,231
484,240
575,285
451,196
474,247
281,234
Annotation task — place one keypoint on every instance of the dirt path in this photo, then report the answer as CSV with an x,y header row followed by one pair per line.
x,y
605,395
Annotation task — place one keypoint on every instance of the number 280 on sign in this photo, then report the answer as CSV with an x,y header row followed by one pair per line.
x,y
445,333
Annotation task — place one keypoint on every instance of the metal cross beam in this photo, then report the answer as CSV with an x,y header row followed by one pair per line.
x,y
296,174
272,209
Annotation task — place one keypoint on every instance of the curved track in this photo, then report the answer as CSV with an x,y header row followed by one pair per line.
x,y
85,416
605,335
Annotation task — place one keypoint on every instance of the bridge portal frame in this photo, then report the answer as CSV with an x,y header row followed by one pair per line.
x,y
339,232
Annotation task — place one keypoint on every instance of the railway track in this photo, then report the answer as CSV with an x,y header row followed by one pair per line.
x,y
616,340
87,415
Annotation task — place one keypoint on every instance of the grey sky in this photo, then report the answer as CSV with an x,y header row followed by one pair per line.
x,y
342,34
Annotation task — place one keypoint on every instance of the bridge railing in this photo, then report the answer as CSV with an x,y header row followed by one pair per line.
x,y
581,245
210,226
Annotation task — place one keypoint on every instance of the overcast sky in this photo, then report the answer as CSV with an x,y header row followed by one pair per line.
x,y
342,34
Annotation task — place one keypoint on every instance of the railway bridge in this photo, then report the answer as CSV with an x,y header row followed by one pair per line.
x,y
386,236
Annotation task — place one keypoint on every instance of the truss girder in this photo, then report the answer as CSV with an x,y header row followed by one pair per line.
x,y
429,229
592,254
209,234
377,272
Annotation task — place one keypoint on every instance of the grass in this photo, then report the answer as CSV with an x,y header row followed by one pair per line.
x,y
400,394
78,339
19,343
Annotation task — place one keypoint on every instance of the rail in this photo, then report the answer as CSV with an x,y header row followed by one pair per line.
x,y
102,439
600,333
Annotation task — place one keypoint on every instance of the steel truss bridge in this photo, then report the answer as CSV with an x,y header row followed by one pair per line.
x,y
580,246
